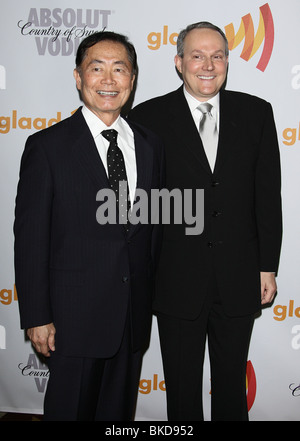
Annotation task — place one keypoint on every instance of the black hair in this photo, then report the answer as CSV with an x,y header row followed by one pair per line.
x,y
95,38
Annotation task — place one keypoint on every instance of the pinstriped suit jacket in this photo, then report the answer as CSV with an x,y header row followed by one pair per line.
x,y
70,270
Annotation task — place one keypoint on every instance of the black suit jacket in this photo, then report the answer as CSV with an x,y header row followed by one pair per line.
x,y
242,203
70,270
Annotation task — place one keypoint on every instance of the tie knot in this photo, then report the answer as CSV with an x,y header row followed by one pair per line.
x,y
205,108
110,135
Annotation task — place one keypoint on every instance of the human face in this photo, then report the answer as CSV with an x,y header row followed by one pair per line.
x,y
204,63
105,79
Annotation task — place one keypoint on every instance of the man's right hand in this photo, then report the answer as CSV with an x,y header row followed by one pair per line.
x,y
43,338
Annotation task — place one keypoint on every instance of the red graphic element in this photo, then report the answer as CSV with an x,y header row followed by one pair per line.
x,y
249,37
251,385
252,42
269,37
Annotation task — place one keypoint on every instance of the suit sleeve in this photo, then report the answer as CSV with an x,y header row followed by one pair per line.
x,y
268,196
32,236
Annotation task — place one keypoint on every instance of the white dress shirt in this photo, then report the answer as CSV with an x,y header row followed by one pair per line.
x,y
196,113
125,143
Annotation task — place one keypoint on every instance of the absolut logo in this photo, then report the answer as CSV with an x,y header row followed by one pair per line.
x,y
59,31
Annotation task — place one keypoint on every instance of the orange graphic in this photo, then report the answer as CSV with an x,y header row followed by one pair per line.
x,y
252,43
251,385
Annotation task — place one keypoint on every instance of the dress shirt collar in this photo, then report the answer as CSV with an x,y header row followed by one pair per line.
x,y
194,103
96,125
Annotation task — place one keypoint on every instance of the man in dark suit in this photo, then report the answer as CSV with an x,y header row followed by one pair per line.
x,y
85,288
211,285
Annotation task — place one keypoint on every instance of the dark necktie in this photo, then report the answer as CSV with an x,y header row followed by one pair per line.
x,y
209,134
117,173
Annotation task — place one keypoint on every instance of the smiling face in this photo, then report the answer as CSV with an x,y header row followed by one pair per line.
x,y
105,79
204,63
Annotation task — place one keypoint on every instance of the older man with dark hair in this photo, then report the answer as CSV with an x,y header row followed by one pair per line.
x,y
85,288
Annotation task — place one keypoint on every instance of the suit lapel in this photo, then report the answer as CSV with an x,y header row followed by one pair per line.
x,y
184,126
228,130
144,162
189,136
85,150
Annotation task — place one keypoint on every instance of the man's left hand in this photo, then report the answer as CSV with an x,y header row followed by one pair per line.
x,y
268,287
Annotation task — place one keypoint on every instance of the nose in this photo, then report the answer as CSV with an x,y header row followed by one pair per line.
x,y
208,64
107,78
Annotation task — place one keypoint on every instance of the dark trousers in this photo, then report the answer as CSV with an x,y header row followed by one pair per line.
x,y
91,389
183,349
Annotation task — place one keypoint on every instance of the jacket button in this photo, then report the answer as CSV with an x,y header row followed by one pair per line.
x,y
216,213
215,184
210,244
125,279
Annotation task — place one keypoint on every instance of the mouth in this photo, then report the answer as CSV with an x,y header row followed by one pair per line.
x,y
204,77
106,93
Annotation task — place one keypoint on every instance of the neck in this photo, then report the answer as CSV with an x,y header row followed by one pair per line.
x,y
108,118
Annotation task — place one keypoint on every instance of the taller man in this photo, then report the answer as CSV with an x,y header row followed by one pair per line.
x,y
85,289
212,284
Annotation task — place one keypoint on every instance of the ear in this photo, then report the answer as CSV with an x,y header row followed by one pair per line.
x,y
132,81
178,62
77,77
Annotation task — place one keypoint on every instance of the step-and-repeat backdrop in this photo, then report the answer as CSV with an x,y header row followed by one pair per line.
x,y
38,45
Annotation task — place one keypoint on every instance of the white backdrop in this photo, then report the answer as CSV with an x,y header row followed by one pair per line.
x,y
38,45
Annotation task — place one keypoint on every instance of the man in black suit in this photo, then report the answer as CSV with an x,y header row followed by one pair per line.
x,y
211,285
85,288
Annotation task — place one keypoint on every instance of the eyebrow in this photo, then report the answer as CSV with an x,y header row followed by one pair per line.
x,y
200,51
117,62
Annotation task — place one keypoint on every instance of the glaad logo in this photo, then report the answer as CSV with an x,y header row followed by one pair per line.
x,y
165,207
8,295
15,121
281,312
252,43
146,386
290,135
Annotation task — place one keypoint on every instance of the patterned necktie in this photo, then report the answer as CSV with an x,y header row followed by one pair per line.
x,y
209,134
116,174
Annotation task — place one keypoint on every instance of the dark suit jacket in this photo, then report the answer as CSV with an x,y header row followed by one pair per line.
x,y
70,270
242,214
